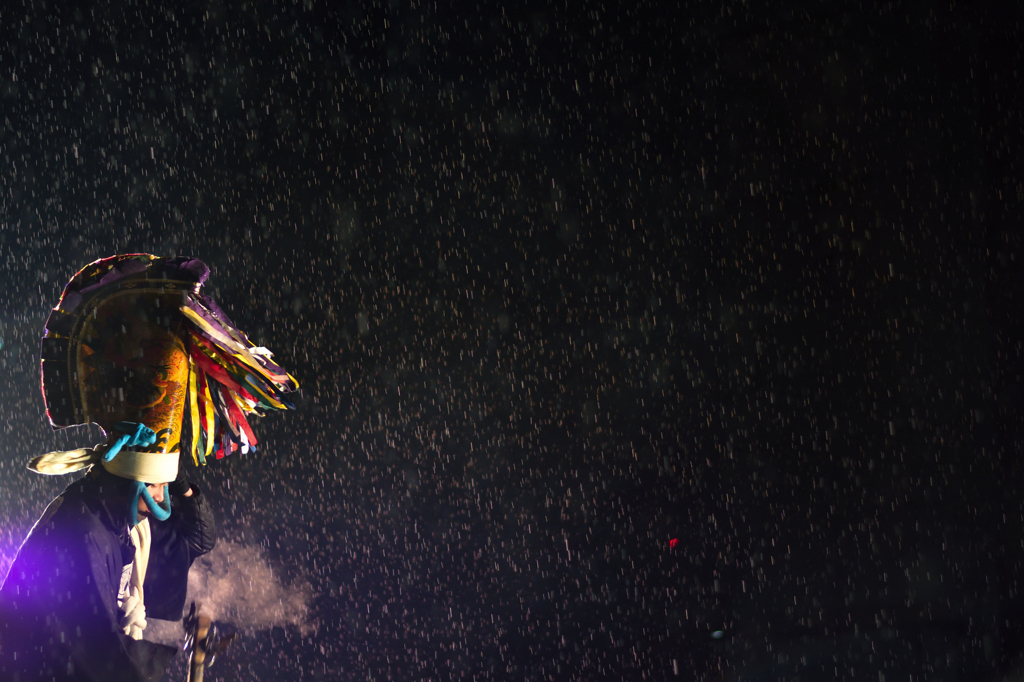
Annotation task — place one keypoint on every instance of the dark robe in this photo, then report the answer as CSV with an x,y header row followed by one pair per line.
x,y
59,618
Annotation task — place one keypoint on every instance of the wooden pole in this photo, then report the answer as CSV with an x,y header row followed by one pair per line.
x,y
197,658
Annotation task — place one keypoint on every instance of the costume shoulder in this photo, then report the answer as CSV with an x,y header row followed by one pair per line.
x,y
58,605
68,540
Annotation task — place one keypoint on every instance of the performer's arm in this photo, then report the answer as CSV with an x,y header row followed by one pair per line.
x,y
192,518
66,586
177,542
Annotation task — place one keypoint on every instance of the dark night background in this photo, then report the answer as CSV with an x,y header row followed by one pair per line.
x,y
562,286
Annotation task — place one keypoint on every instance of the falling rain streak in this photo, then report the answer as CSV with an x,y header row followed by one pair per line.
x,y
635,343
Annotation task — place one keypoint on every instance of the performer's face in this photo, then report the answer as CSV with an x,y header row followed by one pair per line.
x,y
156,490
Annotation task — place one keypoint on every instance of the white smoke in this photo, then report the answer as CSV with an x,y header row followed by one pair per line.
x,y
235,584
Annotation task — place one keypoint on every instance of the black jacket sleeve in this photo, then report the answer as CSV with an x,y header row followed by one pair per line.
x,y
177,542
193,520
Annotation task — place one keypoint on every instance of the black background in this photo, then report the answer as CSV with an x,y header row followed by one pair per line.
x,y
562,285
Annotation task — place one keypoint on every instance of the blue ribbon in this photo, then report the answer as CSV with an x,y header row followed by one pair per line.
x,y
160,511
133,434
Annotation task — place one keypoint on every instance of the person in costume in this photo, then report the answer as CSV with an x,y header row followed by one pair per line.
x,y
134,347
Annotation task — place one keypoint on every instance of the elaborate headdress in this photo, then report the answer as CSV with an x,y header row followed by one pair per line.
x,y
135,347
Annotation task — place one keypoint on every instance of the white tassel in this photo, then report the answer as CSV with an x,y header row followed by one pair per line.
x,y
131,599
64,462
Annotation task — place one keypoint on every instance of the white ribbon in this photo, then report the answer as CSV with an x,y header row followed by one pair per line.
x,y
131,598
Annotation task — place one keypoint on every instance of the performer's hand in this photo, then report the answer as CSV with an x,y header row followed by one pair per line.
x,y
180,486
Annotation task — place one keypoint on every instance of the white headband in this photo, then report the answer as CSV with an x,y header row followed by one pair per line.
x,y
148,467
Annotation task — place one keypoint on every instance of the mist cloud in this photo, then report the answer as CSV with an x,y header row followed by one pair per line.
x,y
236,584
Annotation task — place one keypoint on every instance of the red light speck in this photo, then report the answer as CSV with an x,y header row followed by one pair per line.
x,y
672,543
